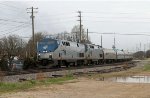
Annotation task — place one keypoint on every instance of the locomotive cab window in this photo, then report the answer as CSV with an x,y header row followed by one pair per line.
x,y
63,43
66,43
92,47
101,55
81,54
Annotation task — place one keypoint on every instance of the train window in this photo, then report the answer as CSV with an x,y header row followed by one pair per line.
x,y
58,42
92,47
101,55
67,44
50,42
63,43
81,54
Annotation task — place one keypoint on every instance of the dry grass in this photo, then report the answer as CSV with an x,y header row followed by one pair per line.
x,y
130,72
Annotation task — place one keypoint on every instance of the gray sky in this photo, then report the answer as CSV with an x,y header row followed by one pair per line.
x,y
109,16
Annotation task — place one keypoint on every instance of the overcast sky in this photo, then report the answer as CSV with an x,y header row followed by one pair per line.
x,y
103,16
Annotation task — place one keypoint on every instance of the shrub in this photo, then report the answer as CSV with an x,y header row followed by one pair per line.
x,y
4,65
29,63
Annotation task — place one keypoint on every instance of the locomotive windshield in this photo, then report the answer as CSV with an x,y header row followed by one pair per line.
x,y
46,45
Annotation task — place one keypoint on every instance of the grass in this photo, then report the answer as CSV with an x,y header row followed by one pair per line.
x,y
129,72
9,87
146,67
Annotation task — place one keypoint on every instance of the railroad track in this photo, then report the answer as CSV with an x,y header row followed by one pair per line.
x,y
16,76
38,70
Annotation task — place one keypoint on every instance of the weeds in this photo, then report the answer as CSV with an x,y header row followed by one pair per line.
x,y
9,87
147,67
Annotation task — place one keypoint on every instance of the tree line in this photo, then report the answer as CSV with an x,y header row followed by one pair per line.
x,y
14,45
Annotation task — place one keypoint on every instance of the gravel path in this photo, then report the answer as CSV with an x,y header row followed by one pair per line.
x,y
86,88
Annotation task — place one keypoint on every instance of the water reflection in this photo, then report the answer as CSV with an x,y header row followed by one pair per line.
x,y
133,79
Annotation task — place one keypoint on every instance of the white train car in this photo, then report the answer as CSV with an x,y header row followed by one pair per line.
x,y
128,55
70,52
120,55
94,54
109,55
60,52
63,53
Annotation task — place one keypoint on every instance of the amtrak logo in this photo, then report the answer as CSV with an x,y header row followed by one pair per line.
x,y
45,47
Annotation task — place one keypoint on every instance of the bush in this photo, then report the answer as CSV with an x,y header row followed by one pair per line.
x,y
4,65
29,63
139,55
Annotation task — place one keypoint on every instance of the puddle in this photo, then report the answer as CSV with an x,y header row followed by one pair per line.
x,y
132,79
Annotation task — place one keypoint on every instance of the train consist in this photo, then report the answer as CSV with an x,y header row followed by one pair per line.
x,y
54,52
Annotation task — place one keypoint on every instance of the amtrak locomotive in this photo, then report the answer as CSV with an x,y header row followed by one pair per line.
x,y
64,53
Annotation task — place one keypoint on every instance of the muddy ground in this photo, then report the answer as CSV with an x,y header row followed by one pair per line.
x,y
89,87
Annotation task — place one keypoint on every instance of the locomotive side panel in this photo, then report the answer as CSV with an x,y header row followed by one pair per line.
x,y
109,55
120,55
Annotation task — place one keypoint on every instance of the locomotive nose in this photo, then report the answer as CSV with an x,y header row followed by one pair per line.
x,y
48,56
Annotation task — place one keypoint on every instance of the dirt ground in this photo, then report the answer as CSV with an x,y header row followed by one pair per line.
x,y
83,87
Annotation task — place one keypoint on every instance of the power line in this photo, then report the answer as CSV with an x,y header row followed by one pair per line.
x,y
118,21
15,30
10,6
119,17
62,18
122,34
14,9
110,13
62,14
13,21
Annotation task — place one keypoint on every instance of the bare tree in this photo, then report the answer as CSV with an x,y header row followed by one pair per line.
x,y
64,36
148,53
30,49
11,46
76,34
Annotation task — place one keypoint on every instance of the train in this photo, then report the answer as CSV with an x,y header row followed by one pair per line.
x,y
57,52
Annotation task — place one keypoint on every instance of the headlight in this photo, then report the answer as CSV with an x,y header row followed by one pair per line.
x,y
39,54
50,55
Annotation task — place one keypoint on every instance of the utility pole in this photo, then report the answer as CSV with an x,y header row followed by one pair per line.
x,y
80,23
87,35
140,46
114,42
144,47
21,43
114,46
101,41
77,40
32,17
